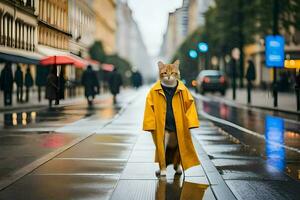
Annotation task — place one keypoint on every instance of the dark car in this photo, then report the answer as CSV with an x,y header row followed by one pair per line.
x,y
211,81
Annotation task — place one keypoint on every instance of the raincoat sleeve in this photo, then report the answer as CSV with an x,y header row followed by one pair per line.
x,y
191,112
149,116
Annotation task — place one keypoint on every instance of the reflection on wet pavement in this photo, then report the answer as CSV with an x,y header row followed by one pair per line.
x,y
278,142
32,132
243,165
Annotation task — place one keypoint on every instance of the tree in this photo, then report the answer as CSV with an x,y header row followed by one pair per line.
x,y
188,66
97,52
122,65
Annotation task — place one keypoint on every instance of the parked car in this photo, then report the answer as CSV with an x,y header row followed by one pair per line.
x,y
211,81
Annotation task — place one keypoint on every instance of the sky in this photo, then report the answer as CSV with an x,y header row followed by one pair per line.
x,y
152,18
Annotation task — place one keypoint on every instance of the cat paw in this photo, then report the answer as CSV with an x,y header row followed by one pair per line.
x,y
161,173
178,170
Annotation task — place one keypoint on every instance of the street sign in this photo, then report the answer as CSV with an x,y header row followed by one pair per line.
x,y
274,51
292,64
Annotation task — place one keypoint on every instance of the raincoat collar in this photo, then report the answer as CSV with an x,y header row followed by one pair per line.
x,y
157,86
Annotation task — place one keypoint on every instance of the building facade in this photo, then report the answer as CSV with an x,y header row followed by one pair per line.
x,y
256,52
81,26
106,24
53,24
183,22
18,27
130,44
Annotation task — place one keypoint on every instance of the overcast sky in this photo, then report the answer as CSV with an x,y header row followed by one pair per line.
x,y
152,17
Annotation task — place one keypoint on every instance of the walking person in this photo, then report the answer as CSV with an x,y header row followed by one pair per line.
x,y
250,76
19,80
52,86
115,82
136,79
28,83
61,84
6,83
91,85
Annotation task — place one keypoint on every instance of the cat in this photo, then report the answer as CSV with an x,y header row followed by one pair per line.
x,y
169,75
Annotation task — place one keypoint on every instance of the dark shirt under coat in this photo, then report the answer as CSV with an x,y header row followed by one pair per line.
x,y
170,124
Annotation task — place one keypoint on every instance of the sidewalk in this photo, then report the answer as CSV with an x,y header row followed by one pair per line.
x,y
262,99
116,162
35,104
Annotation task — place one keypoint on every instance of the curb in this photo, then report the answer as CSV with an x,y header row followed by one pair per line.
x,y
219,187
237,104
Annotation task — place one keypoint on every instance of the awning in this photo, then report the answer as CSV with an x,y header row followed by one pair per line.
x,y
52,54
94,63
19,56
107,67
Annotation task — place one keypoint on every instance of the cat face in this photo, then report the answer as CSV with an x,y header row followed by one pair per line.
x,y
169,73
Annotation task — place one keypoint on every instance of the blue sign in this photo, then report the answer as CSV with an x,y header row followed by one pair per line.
x,y
274,133
203,47
193,54
274,51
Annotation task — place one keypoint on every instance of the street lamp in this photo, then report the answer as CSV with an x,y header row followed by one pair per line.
x,y
203,48
193,53
235,54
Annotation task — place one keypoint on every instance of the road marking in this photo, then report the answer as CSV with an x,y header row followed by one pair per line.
x,y
222,121
239,105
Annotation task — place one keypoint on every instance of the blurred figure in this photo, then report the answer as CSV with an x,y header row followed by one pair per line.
x,y
19,82
115,82
250,76
297,89
52,86
136,79
28,83
6,83
91,85
283,85
61,85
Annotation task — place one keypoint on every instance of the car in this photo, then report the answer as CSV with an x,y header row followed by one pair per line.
x,y
211,81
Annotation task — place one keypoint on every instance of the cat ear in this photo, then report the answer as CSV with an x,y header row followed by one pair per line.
x,y
176,63
160,64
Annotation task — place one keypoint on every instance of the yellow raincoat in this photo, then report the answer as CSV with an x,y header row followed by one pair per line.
x,y
185,115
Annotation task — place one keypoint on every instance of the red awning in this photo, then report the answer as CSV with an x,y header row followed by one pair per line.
x,y
107,67
63,60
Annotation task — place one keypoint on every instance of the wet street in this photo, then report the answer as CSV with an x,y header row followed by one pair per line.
x,y
77,152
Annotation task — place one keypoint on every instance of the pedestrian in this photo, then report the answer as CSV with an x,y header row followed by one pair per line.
x,y
28,83
91,85
250,76
136,79
170,112
115,82
52,86
6,83
19,82
62,83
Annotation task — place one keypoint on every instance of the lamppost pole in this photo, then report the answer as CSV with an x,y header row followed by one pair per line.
x,y
275,32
